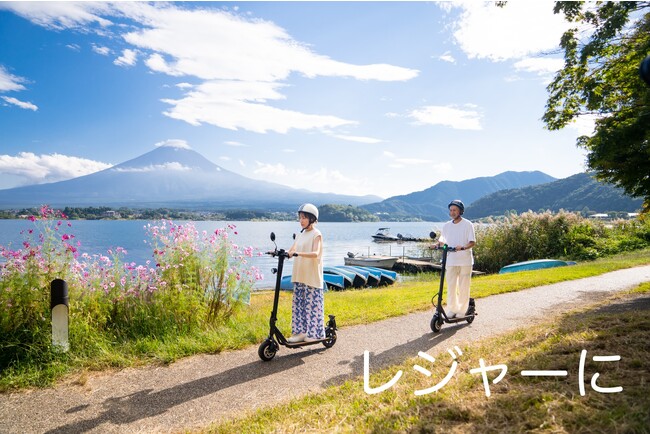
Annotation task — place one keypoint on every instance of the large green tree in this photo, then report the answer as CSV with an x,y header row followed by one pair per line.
x,y
602,55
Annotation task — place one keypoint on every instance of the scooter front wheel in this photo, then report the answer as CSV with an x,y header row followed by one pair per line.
x,y
436,323
267,350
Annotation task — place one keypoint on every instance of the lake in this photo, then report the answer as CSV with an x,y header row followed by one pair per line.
x,y
97,236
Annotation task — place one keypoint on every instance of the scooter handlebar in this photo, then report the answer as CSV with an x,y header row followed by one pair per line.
x,y
275,253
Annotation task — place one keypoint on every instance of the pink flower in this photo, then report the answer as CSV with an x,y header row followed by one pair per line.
x,y
31,218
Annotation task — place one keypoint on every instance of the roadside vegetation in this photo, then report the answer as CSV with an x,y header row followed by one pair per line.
x,y
516,403
562,235
191,300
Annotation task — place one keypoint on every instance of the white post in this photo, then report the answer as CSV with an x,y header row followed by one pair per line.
x,y
59,307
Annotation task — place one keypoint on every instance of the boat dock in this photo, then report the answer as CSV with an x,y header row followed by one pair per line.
x,y
422,265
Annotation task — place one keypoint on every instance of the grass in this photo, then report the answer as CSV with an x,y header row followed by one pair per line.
x,y
517,403
249,326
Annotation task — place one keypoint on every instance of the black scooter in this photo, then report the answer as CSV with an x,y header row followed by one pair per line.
x,y
440,315
271,344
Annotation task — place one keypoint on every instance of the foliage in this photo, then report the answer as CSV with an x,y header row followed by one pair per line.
x,y
343,213
197,282
561,235
601,77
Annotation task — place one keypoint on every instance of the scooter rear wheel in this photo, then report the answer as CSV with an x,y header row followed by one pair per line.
x,y
436,324
267,350
330,336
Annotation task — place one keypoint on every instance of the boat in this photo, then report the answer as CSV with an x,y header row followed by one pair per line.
x,y
536,264
388,277
332,281
383,234
349,278
378,261
373,278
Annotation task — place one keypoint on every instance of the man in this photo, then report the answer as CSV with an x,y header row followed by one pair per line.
x,y
458,233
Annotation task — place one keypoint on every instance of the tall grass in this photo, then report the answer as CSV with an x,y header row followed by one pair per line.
x,y
197,280
554,235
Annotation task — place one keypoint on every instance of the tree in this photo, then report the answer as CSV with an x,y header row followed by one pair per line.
x,y
601,77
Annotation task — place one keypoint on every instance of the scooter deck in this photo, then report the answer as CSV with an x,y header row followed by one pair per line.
x,y
303,343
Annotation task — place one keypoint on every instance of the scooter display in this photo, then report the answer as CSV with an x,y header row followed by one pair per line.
x,y
271,344
440,316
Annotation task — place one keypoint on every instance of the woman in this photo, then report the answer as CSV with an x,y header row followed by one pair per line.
x,y
308,308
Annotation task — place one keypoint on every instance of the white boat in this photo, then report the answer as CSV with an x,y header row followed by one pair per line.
x,y
383,234
379,261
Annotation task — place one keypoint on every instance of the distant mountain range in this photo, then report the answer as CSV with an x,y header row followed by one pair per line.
x,y
575,193
172,177
431,204
169,177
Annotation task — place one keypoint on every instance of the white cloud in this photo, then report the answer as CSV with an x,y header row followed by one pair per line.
x,y
288,150
60,15
442,168
104,51
21,104
321,180
10,82
172,166
238,105
450,116
538,65
128,58
184,85
74,47
584,124
37,169
358,139
447,57
518,29
173,143
389,154
241,59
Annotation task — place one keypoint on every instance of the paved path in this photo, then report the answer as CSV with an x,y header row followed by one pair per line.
x,y
199,390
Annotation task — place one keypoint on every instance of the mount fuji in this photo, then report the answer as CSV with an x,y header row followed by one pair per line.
x,y
170,177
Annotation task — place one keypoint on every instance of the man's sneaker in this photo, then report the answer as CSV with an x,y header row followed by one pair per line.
x,y
297,338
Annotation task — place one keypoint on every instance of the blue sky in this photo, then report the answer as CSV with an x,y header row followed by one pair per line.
x,y
380,98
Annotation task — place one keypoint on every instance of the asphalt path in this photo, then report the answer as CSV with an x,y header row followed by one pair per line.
x,y
198,390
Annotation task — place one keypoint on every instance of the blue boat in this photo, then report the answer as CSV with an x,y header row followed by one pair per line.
x,y
349,277
332,281
536,264
388,277
373,277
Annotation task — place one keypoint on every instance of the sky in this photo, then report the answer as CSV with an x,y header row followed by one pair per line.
x,y
381,98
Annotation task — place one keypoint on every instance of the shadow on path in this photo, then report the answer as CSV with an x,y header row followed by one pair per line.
x,y
145,403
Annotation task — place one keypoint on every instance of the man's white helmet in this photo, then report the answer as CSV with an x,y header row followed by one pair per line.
x,y
309,209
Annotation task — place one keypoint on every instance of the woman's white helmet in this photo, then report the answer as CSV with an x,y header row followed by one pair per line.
x,y
309,209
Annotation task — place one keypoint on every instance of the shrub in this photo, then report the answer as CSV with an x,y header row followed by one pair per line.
x,y
197,281
561,235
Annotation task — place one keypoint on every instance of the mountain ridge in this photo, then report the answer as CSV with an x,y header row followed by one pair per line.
x,y
169,176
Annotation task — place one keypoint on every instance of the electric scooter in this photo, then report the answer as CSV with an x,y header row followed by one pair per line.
x,y
271,344
440,315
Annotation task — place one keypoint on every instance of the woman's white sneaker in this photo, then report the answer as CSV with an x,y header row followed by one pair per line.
x,y
297,338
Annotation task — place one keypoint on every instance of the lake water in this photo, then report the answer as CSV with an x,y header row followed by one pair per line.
x,y
97,236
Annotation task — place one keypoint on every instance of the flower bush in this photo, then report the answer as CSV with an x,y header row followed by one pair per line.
x,y
195,280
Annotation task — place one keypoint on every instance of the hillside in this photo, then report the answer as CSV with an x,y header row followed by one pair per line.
x,y
575,193
431,204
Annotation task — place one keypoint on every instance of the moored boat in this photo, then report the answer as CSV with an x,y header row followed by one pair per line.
x,y
383,234
536,264
332,281
378,261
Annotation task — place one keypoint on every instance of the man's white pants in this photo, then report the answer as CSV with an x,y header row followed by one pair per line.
x,y
458,279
